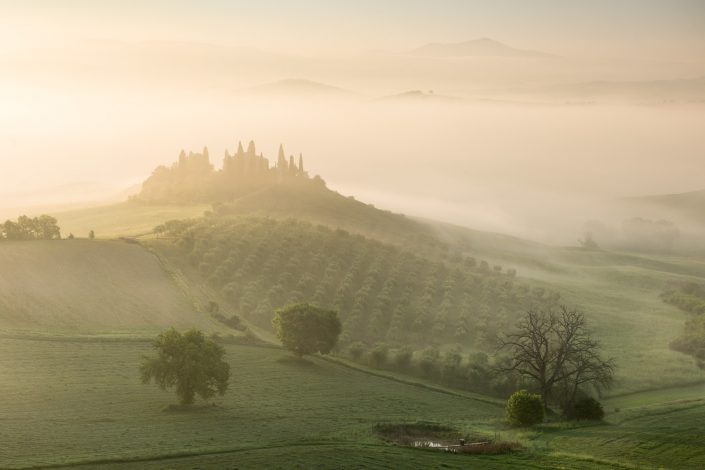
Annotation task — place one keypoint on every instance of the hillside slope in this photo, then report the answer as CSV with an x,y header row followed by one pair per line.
x,y
81,287
691,204
127,219
382,293
316,203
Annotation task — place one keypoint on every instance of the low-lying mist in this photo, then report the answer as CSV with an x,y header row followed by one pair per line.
x,y
538,170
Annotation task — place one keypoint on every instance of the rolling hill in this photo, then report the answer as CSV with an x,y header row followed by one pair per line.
x,y
382,293
318,204
126,219
690,204
619,292
79,287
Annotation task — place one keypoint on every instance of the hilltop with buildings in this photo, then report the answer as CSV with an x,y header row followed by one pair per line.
x,y
193,178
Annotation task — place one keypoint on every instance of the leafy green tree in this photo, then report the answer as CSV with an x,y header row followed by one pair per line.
x,y
524,409
306,329
190,362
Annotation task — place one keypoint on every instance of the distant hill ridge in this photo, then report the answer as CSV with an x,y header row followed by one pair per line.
x,y
690,204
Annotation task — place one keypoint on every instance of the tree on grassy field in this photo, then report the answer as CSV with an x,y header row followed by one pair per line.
x,y
190,362
305,329
555,350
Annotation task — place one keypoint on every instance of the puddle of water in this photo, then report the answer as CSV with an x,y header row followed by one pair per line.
x,y
429,444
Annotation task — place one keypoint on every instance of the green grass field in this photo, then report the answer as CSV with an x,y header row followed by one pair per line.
x,y
127,219
73,287
67,403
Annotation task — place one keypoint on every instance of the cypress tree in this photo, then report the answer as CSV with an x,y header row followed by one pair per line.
x,y
281,159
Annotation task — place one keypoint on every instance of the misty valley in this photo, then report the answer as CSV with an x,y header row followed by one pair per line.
x,y
352,235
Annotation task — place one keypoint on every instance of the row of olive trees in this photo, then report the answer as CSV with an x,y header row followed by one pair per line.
x,y
381,292
475,371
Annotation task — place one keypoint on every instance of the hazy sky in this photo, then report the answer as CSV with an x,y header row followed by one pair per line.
x,y
85,118
646,28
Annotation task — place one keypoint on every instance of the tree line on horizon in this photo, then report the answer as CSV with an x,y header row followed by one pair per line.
x,y
43,227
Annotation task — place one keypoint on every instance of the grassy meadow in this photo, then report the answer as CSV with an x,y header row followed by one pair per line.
x,y
68,403
127,219
79,287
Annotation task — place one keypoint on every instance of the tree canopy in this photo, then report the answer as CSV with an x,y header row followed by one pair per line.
x,y
305,329
43,227
190,362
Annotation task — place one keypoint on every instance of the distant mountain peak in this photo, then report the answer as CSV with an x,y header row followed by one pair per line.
x,y
482,47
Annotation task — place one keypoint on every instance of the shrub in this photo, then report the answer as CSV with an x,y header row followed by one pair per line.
x,y
524,409
402,358
378,355
428,362
356,350
587,409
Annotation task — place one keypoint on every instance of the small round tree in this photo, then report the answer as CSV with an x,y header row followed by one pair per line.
x,y
190,362
305,329
524,409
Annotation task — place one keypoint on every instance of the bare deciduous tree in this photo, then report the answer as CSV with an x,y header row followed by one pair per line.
x,y
555,350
